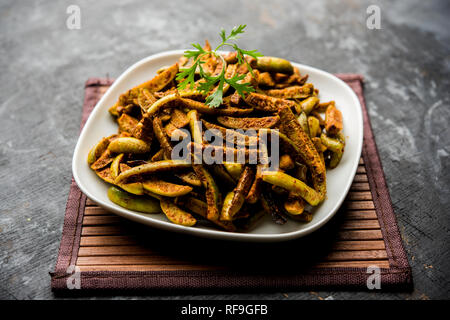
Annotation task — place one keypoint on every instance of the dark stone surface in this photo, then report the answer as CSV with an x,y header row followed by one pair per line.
x,y
43,66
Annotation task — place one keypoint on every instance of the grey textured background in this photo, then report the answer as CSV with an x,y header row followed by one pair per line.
x,y
43,67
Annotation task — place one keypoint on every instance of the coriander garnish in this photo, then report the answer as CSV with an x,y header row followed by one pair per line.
x,y
186,76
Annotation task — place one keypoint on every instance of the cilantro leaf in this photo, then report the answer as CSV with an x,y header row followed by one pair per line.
x,y
215,99
252,53
186,76
236,31
223,35
241,88
206,86
194,53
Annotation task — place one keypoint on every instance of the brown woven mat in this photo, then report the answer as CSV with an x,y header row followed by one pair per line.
x,y
112,253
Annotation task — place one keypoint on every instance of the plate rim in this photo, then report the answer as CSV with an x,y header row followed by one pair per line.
x,y
207,233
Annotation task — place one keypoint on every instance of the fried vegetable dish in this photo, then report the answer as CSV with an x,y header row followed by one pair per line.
x,y
264,95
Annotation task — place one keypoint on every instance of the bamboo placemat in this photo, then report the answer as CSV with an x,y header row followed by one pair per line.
x,y
113,253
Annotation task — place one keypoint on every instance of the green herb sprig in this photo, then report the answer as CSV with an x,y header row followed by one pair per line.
x,y
186,76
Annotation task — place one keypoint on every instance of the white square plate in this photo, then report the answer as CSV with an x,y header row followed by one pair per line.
x,y
101,124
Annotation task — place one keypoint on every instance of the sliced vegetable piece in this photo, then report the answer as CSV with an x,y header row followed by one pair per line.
x,y
189,177
332,144
176,214
248,123
97,150
128,145
290,183
246,153
308,153
265,103
231,57
105,159
161,80
210,63
113,110
294,92
333,120
177,120
105,175
294,204
134,188
231,206
165,188
144,129
336,146
235,199
153,195
303,120
127,123
319,147
199,207
235,99
314,127
203,108
196,131
124,166
168,101
308,104
125,99
116,168
115,165
273,64
194,205
145,99
162,137
317,115
254,193
132,202
234,169
234,137
129,108
149,168
265,79
280,77
212,192
322,107
293,79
